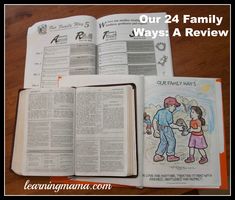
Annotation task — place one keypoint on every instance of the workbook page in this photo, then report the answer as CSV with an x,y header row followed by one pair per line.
x,y
128,46
59,48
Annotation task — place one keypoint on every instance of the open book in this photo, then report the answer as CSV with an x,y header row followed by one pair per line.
x,y
81,45
181,141
85,131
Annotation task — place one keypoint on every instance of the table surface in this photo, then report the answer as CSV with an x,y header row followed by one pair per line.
x,y
192,56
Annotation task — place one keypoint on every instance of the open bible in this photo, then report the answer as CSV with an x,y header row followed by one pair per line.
x,y
85,131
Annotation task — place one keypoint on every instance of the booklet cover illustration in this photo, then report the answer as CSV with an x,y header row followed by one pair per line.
x,y
180,132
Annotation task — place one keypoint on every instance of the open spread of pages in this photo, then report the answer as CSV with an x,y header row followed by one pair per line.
x,y
81,45
87,131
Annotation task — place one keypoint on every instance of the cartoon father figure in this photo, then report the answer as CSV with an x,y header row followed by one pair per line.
x,y
164,118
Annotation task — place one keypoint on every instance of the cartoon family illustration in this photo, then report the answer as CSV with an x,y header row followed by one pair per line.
x,y
163,123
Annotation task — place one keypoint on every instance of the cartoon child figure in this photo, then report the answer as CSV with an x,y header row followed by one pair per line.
x,y
164,118
197,139
147,124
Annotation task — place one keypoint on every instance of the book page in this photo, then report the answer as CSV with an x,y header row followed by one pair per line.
x,y
101,131
58,48
220,115
19,140
49,132
132,129
78,81
120,51
181,135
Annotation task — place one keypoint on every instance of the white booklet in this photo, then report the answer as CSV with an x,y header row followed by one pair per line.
x,y
81,45
182,132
